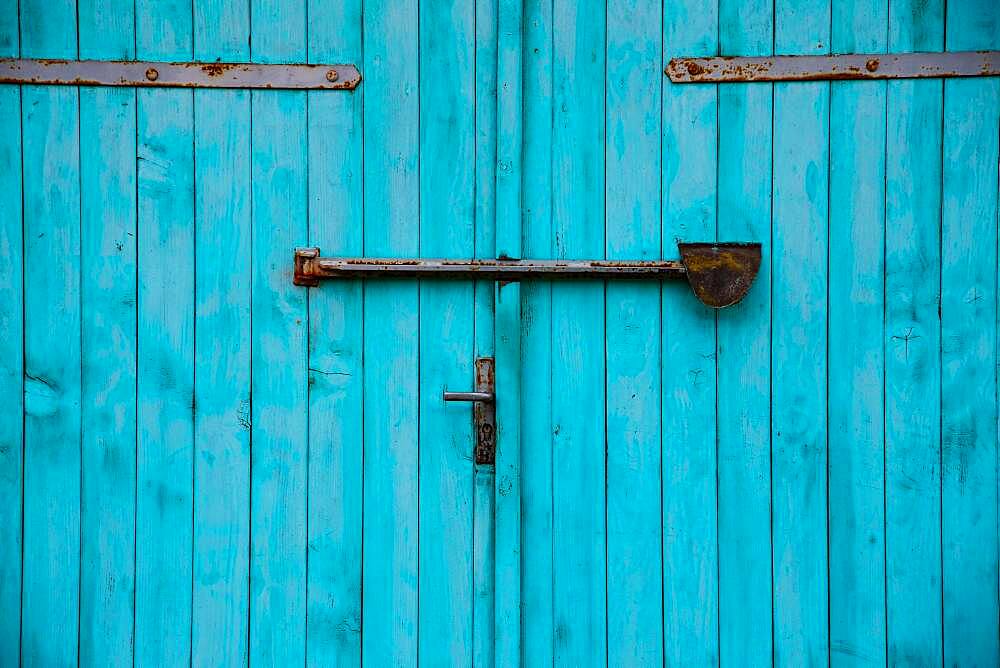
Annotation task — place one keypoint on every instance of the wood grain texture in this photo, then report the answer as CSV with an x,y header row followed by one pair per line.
x,y
11,349
446,336
744,352
483,496
632,155
856,354
509,239
578,361
799,344
221,562
279,376
52,356
165,345
334,560
108,268
391,317
912,343
538,559
689,127
970,547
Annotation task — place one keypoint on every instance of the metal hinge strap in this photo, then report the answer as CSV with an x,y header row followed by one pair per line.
x,y
143,73
736,69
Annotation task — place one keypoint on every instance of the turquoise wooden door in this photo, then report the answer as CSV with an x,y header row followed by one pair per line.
x,y
202,463
809,477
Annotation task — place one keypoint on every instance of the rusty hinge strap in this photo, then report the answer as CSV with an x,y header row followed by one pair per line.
x,y
734,69
719,273
177,75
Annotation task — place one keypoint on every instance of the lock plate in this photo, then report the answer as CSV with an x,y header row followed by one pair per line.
x,y
484,414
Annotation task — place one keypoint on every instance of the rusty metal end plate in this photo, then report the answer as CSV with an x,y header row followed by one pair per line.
x,y
303,261
720,274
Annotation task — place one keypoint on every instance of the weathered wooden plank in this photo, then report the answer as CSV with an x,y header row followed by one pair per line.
x,y
52,356
799,344
744,352
970,547
483,500
688,371
578,473
509,216
335,344
222,347
632,118
446,346
857,359
537,634
108,308
165,387
483,546
11,349
912,343
279,367
391,402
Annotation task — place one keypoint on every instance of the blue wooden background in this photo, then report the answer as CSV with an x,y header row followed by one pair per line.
x,y
202,463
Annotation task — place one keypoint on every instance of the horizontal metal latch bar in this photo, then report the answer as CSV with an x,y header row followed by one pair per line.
x,y
177,75
734,69
500,270
719,273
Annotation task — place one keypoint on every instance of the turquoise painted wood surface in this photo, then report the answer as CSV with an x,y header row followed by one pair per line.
x,y
203,464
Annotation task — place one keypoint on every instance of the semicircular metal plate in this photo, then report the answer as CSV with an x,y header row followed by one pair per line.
x,y
720,274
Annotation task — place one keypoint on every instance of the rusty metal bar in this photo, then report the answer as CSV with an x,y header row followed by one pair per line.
x,y
734,69
720,274
177,75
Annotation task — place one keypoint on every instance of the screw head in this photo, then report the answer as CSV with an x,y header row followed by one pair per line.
x,y
331,75
872,65
152,74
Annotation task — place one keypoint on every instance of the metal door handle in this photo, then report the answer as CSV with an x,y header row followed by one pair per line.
x,y
468,396
484,410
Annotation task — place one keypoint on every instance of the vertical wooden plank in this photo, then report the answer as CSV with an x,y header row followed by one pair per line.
x,y
912,342
11,348
52,357
108,308
744,351
222,347
391,191
279,432
334,565
165,386
688,370
799,343
537,573
856,361
578,360
447,220
970,550
632,118
483,501
507,581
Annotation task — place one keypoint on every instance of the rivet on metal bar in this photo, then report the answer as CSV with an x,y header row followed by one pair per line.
x,y
177,75
734,69
720,274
